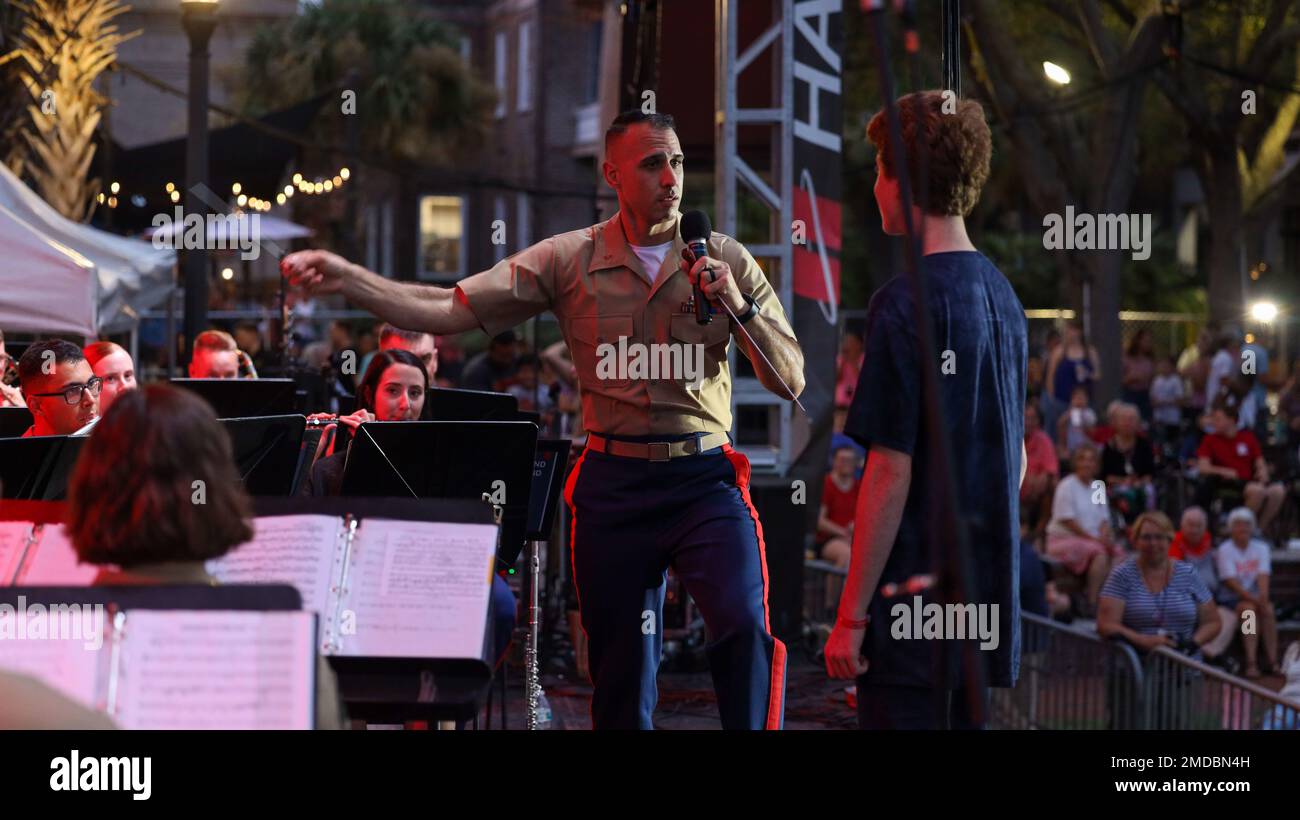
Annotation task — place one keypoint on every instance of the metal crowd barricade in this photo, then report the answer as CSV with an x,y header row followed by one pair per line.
x,y
1070,679
1183,693
1073,679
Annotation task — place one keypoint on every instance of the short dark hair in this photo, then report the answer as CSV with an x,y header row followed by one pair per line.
x,y
29,366
131,496
506,337
636,116
379,363
388,331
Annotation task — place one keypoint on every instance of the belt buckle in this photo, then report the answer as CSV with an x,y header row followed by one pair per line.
x,y
667,450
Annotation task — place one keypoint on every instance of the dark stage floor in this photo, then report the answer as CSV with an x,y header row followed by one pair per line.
x,y
686,700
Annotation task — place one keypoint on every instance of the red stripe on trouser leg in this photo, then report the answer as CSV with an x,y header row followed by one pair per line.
x,y
573,552
776,694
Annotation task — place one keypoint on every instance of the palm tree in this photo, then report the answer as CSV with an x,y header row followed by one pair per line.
x,y
62,46
415,98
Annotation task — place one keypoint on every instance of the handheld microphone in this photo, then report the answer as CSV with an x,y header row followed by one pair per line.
x,y
696,228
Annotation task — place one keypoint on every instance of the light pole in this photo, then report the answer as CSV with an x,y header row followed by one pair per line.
x,y
199,18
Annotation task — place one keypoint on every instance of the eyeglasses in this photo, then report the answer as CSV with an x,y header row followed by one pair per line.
x,y
1154,536
72,393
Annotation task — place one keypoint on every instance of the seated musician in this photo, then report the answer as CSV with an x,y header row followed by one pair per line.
x,y
132,501
114,366
10,395
60,389
216,356
393,389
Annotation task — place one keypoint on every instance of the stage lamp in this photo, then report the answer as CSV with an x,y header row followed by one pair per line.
x,y
1263,312
1055,73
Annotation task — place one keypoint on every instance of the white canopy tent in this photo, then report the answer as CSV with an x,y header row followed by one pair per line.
x,y
130,275
55,288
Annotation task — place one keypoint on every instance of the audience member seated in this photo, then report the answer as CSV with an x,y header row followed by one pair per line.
x,y
1128,464
1079,534
1075,426
1042,469
1152,600
1232,458
526,387
1192,544
131,507
216,356
60,389
1244,573
10,395
488,369
113,365
839,504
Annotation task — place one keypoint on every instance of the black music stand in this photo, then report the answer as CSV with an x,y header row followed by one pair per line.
x,y
449,459
268,452
548,480
37,468
245,398
393,690
450,404
14,421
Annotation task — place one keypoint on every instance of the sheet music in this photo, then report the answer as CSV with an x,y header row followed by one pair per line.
x,y
419,589
69,665
217,670
13,537
302,550
52,562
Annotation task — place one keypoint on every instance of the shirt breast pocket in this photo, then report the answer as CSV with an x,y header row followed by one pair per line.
x,y
711,338
595,348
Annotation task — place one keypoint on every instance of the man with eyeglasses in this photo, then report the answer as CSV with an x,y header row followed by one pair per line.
x,y
61,390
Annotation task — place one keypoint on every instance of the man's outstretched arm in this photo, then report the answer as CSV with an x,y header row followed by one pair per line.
x,y
407,305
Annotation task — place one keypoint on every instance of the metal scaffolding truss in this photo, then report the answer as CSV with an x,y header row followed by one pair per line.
x,y
730,170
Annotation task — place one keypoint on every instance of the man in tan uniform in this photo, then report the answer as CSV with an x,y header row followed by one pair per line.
x,y
659,483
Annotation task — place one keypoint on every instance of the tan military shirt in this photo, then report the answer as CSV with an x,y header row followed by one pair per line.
x,y
591,279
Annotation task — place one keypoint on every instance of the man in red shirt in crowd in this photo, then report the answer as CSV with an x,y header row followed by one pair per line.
x,y
1235,456
839,502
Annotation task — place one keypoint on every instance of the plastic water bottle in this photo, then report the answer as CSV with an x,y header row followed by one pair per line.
x,y
544,716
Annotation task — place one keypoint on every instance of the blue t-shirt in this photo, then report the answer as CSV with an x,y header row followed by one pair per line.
x,y
981,340
1172,609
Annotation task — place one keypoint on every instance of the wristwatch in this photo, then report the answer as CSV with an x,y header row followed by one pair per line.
x,y
749,314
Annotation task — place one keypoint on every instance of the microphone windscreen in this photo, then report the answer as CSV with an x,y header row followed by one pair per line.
x,y
696,225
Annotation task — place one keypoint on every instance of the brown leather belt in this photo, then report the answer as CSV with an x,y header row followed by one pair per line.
x,y
656,450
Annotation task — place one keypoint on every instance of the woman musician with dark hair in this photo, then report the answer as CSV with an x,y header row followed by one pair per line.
x,y
393,389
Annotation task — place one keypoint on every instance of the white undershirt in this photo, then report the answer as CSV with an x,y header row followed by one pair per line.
x,y
651,256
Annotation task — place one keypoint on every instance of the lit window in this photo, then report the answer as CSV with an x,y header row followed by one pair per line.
x,y
442,232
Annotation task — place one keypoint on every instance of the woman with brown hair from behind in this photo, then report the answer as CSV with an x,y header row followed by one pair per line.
x,y
132,501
